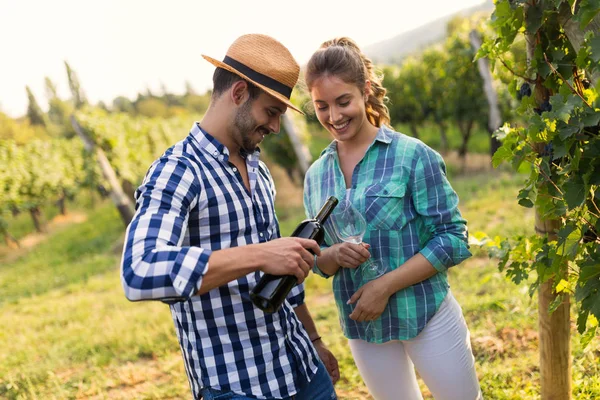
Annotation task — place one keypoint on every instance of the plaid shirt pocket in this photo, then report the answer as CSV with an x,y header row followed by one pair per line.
x,y
383,205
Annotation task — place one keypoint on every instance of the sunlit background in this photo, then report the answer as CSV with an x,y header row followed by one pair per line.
x,y
131,75
120,48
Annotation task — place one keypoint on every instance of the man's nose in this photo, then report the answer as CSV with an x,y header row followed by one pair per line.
x,y
274,125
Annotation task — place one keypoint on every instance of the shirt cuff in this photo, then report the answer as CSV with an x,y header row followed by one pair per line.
x,y
318,271
437,257
193,264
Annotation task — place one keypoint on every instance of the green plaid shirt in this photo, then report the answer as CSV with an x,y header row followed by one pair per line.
x,y
401,188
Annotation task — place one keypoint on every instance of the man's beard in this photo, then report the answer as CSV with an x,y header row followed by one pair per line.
x,y
246,127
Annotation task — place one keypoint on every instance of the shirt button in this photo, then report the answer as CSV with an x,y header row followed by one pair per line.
x,y
215,153
234,169
260,234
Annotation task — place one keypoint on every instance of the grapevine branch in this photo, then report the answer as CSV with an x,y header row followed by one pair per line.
x,y
595,205
537,166
565,81
528,80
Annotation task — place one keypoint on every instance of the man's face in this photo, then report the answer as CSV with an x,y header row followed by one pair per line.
x,y
255,119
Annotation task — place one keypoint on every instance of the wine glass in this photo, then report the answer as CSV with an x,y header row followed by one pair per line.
x,y
350,226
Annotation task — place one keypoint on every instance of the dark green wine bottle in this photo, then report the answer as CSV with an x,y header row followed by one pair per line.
x,y
271,290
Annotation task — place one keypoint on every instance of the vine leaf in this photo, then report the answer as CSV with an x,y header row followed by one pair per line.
x,y
502,154
563,109
595,48
574,192
591,119
588,12
533,18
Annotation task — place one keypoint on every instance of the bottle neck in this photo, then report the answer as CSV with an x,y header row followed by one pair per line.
x,y
326,210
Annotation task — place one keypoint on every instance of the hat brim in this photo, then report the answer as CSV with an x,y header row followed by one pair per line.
x,y
269,91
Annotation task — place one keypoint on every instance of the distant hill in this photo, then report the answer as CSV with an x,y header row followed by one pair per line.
x,y
395,49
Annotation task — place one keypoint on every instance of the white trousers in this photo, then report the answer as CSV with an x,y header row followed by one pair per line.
x,y
441,354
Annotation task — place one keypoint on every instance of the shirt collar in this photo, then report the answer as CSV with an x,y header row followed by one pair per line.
x,y
384,135
216,149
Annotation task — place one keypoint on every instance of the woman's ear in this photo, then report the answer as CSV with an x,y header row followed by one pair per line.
x,y
367,90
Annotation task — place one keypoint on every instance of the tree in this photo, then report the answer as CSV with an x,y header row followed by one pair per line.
x,y
465,95
102,105
408,93
196,103
34,112
495,119
435,60
77,93
123,104
58,110
50,88
560,142
152,107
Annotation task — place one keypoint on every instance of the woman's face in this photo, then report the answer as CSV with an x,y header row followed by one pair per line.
x,y
340,107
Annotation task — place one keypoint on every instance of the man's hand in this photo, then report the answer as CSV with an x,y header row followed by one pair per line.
x,y
372,299
325,355
328,359
289,256
351,255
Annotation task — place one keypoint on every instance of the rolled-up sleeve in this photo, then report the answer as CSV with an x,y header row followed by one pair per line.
x,y
437,203
155,265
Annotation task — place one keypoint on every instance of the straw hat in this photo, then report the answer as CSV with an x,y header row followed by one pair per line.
x,y
265,62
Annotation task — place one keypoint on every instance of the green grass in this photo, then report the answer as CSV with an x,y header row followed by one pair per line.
x,y
488,202
71,256
68,331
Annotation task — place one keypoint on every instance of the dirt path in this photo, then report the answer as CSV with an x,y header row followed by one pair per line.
x,y
31,240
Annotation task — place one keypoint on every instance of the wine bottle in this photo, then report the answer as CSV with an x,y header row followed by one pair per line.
x,y
271,290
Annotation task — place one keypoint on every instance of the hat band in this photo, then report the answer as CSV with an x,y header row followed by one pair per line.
x,y
258,77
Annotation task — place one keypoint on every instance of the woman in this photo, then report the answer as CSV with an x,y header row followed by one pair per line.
x,y
407,318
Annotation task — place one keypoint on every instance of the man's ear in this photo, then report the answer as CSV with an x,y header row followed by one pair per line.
x,y
239,92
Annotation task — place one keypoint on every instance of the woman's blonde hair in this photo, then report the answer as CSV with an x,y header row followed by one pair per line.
x,y
341,57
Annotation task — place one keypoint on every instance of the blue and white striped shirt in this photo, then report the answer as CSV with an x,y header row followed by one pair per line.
x,y
193,201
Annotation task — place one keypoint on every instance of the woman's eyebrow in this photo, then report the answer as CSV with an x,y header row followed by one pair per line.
x,y
337,98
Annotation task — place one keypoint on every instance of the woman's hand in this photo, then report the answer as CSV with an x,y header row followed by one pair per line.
x,y
351,255
371,299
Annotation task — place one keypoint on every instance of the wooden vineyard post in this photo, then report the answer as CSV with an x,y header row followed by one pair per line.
x,y
121,201
554,331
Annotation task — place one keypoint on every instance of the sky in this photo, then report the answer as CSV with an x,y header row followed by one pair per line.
x,y
122,47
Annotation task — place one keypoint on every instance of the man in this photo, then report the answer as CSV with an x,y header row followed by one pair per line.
x,y
205,231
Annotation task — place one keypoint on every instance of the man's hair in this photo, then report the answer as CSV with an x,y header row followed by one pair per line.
x,y
223,80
